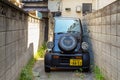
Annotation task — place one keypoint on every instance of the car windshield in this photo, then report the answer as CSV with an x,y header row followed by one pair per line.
x,y
67,25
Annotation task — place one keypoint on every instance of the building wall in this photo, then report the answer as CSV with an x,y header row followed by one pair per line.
x,y
53,5
19,39
102,3
104,37
73,4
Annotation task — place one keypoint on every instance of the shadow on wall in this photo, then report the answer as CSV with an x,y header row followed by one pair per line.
x,y
86,38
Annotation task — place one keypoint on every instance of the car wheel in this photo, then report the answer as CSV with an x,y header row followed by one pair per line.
x,y
47,69
86,62
47,60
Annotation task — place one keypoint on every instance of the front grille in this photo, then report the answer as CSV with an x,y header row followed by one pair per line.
x,y
65,59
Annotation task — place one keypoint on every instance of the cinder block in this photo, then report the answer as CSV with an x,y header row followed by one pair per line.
x,y
118,29
17,25
108,49
14,72
15,35
2,67
2,53
114,75
108,20
118,50
99,29
118,71
103,38
118,66
113,8
108,29
103,29
114,52
10,24
13,59
8,62
2,23
9,50
103,20
113,19
113,39
118,39
2,38
118,18
8,74
108,72
99,13
113,29
8,37
108,39
2,77
118,6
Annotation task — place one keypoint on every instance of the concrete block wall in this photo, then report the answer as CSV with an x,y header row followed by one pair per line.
x,y
20,37
104,26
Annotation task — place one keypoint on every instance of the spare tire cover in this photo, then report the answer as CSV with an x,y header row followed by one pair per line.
x,y
67,43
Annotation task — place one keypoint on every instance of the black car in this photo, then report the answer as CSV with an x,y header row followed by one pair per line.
x,y
67,50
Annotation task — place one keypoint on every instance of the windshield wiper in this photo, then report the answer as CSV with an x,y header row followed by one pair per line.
x,y
60,32
73,31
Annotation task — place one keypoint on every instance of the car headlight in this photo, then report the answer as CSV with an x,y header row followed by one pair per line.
x,y
85,46
50,45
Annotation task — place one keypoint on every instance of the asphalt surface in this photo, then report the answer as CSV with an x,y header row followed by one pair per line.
x,y
40,74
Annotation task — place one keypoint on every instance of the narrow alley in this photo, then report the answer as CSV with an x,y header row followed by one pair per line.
x,y
39,73
93,32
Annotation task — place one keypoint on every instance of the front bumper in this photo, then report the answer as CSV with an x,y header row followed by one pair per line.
x,y
63,61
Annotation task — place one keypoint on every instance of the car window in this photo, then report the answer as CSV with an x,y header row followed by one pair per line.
x,y
66,25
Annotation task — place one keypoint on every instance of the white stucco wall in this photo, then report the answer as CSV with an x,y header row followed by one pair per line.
x,y
53,5
102,3
73,4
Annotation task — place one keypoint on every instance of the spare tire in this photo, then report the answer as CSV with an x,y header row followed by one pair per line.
x,y
67,43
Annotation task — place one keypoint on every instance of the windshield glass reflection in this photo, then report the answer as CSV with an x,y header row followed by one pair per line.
x,y
64,26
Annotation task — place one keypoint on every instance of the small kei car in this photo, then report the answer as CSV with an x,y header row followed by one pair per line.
x,y
67,50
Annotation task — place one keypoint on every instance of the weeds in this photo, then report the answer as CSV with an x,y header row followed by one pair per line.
x,y
26,73
79,73
98,74
41,51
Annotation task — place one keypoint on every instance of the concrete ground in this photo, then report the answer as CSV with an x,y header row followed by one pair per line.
x,y
39,74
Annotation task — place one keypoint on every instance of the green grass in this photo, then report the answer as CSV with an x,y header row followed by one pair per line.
x,y
41,51
26,73
98,74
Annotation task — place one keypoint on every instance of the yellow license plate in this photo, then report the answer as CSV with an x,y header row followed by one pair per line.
x,y
75,62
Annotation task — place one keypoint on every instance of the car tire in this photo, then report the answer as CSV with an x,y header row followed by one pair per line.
x,y
86,62
47,69
47,63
